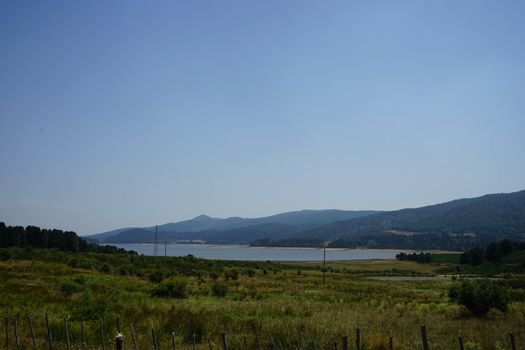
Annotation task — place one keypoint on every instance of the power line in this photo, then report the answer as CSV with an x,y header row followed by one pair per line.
x,y
156,242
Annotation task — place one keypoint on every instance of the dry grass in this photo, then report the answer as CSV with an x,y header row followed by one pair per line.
x,y
288,306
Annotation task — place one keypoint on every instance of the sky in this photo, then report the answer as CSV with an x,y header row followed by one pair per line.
x,y
134,113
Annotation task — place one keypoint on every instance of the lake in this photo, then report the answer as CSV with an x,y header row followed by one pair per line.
x,y
245,252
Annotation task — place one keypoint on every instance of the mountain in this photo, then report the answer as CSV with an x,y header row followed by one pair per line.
x,y
101,237
142,235
248,234
233,229
456,223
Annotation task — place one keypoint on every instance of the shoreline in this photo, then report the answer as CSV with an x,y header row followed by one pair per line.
x,y
247,246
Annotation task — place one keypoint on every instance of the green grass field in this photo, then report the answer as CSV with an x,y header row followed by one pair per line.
x,y
287,303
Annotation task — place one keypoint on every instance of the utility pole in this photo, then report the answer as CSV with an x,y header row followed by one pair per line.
x,y
156,242
324,263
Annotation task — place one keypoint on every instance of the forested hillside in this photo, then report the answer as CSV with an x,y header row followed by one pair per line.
x,y
459,224
32,236
233,229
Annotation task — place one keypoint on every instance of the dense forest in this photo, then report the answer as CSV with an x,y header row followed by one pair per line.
x,y
36,237
422,258
423,241
494,252
457,225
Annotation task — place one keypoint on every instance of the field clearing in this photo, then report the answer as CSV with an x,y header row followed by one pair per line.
x,y
290,305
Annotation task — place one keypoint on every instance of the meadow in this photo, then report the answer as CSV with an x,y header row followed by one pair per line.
x,y
261,303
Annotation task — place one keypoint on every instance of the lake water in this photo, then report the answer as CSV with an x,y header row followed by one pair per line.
x,y
244,252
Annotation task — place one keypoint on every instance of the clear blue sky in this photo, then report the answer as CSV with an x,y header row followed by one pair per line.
x,y
135,113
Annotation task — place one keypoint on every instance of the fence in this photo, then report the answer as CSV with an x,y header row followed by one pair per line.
x,y
13,339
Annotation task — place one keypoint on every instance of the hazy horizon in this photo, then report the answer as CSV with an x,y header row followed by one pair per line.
x,y
131,113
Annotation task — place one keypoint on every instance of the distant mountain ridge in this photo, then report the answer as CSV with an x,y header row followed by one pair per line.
x,y
457,224
232,229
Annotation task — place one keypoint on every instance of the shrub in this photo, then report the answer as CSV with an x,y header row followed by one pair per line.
x,y
105,268
69,287
472,257
93,306
172,288
480,296
231,274
156,276
250,272
219,289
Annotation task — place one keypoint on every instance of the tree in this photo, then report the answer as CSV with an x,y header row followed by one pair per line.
x,y
472,257
219,289
479,296
172,288
493,253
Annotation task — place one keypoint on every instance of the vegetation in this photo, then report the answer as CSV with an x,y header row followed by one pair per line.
x,y
494,253
234,229
422,258
219,289
479,296
32,236
172,288
286,302
456,225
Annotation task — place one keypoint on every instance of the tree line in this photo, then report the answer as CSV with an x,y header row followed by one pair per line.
x,y
36,237
422,258
493,253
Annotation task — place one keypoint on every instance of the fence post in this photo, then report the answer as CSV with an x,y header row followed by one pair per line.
x,y
119,341
512,341
358,339
391,343
67,333
244,342
7,332
273,343
134,337
84,342
154,339
460,340
17,340
32,332
49,335
101,334
172,340
210,347
224,341
194,341
345,342
424,337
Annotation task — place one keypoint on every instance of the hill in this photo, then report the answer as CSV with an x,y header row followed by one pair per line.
x,y
233,229
456,224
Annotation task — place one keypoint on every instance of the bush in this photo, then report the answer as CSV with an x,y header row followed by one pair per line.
x,y
69,287
219,289
172,288
156,276
93,305
231,274
480,296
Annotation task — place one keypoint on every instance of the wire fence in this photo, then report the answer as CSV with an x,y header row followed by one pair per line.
x,y
59,336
